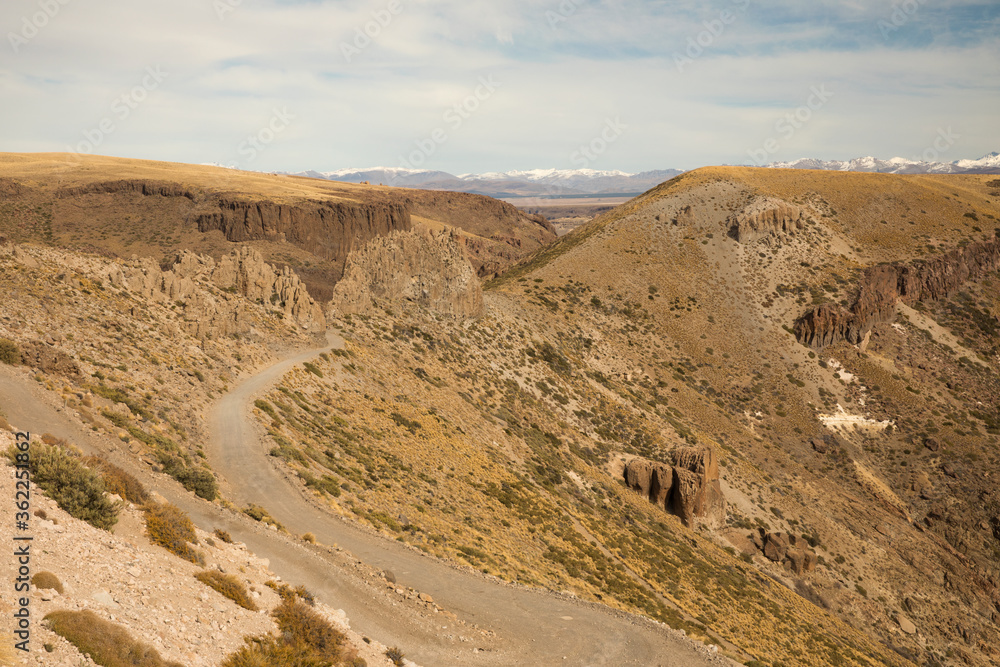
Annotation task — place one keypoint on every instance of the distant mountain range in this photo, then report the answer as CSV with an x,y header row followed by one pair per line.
x,y
582,182
988,164
532,183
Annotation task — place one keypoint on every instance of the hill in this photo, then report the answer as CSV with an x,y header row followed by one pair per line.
x,y
119,208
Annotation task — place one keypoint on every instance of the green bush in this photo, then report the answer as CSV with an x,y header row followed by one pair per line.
x,y
10,353
78,490
171,528
118,481
199,480
228,586
106,643
47,580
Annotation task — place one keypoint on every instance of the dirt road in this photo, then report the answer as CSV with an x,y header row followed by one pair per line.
x,y
526,627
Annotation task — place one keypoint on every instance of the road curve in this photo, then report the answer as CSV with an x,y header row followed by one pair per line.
x,y
532,627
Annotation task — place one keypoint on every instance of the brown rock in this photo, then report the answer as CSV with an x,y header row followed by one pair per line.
x,y
775,546
885,284
819,445
426,269
649,478
690,488
932,444
764,217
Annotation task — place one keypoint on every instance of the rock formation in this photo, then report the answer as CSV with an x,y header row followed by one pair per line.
x,y
765,216
786,548
329,229
882,286
241,272
130,186
430,270
689,488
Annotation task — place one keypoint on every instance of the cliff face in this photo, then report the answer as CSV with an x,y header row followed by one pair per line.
x,y
329,230
764,217
689,488
883,285
129,186
430,270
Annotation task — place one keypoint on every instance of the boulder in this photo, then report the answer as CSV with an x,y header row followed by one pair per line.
x,y
775,546
819,445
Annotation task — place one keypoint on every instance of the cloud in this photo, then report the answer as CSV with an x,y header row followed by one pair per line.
x,y
566,66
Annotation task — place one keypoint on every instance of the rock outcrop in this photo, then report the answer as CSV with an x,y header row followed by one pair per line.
x,y
145,188
689,488
786,548
242,272
882,286
330,229
765,216
430,270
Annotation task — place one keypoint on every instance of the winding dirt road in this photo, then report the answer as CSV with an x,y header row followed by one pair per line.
x,y
528,627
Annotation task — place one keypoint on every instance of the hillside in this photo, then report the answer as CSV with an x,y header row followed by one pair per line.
x,y
119,208
855,477
798,368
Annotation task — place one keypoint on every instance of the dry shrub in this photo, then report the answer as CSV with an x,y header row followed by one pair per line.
x,y
309,537
77,489
229,586
47,580
118,481
395,655
10,353
171,528
224,535
106,643
307,640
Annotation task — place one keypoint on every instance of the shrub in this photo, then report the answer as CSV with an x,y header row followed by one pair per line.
x,y
10,353
106,643
258,513
171,528
312,368
200,481
228,586
307,640
300,623
309,537
224,536
395,655
47,580
118,481
78,490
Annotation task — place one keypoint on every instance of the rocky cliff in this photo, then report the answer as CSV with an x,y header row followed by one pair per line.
x,y
689,488
885,284
765,216
327,229
145,188
430,270
210,315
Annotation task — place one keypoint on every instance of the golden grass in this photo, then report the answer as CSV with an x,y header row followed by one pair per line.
x,y
107,644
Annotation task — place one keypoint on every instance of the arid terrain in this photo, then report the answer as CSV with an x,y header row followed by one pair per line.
x,y
749,416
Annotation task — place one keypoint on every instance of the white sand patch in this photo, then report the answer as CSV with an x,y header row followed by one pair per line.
x,y
845,423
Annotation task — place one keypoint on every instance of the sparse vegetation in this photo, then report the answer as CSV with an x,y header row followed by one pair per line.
x,y
170,527
47,580
10,353
228,586
107,643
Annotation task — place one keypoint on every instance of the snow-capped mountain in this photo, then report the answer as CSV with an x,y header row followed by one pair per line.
x,y
531,182
988,164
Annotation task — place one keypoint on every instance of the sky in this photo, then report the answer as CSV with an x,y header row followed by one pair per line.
x,y
471,87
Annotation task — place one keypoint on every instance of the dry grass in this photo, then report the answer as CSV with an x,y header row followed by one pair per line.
x,y
118,481
107,644
228,586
